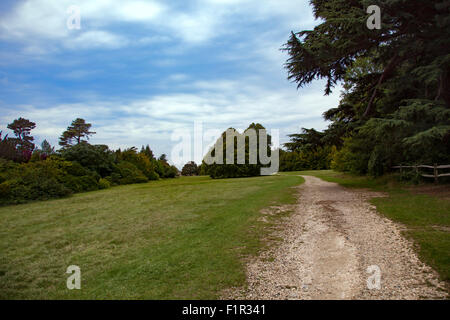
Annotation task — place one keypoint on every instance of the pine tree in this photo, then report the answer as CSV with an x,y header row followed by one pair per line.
x,y
22,129
75,133
47,148
148,152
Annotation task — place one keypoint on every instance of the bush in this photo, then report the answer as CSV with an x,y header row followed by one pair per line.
x,y
190,169
351,158
316,159
171,172
153,176
32,181
104,184
81,184
140,160
96,158
129,173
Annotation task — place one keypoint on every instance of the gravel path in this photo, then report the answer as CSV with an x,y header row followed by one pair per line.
x,y
328,243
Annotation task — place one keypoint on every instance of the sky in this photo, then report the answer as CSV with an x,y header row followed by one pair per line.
x,y
138,70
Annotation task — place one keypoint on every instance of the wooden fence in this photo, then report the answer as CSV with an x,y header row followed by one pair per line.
x,y
435,168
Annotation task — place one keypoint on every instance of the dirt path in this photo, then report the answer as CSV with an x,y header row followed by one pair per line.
x,y
328,243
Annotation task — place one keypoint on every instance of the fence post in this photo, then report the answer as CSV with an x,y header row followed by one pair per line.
x,y
436,176
401,171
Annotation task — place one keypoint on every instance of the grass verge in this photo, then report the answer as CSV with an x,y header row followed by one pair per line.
x,y
173,239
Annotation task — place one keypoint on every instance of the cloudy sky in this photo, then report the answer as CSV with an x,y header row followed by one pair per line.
x,y
138,70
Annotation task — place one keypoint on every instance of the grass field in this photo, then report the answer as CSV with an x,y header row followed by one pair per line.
x,y
426,217
173,239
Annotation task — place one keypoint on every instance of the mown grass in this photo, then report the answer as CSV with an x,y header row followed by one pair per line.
x,y
426,217
174,239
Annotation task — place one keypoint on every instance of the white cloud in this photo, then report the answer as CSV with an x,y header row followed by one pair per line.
x,y
96,39
33,21
178,77
220,103
152,120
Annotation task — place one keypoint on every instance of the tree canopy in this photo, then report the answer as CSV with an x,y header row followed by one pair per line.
x,y
395,107
76,133
22,129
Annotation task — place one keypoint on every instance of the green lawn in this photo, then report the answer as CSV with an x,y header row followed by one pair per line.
x,y
427,218
173,239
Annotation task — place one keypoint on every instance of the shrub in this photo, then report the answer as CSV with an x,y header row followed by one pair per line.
x,y
96,158
81,184
153,176
190,169
171,172
351,158
140,160
129,173
104,184
32,181
315,159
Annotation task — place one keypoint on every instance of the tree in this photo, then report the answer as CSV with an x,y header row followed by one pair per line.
x,y
148,152
22,129
97,158
140,160
163,158
396,100
407,38
190,169
47,148
8,149
75,133
246,169
308,140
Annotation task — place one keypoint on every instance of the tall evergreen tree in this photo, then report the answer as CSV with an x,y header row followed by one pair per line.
x,y
76,133
22,130
396,100
148,152
47,148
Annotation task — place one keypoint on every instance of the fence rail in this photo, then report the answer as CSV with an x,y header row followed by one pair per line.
x,y
435,168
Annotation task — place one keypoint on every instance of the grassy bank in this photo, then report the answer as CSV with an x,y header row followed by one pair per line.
x,y
426,217
172,239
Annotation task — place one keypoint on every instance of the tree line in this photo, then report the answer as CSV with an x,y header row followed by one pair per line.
x,y
30,173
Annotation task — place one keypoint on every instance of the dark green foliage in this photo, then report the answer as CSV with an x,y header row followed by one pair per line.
x,y
308,140
164,169
104,184
22,129
171,172
97,158
317,159
236,170
81,184
308,150
8,149
190,169
74,168
396,100
76,133
148,152
31,181
129,173
141,160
